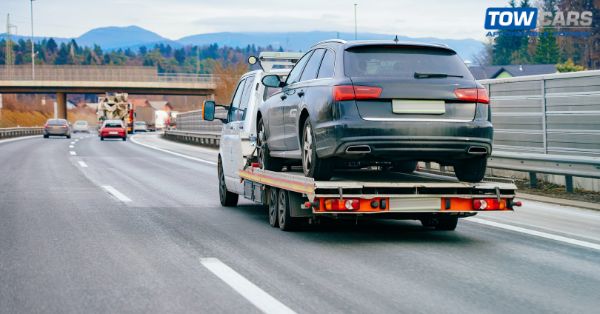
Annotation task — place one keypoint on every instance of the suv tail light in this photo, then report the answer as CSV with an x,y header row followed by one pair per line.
x,y
479,95
349,92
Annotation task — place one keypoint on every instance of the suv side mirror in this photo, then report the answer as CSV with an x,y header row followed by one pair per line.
x,y
272,81
208,110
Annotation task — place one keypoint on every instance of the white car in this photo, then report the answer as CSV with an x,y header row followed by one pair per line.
x,y
140,126
81,126
238,136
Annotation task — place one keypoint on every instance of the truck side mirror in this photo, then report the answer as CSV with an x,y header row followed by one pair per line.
x,y
272,81
208,110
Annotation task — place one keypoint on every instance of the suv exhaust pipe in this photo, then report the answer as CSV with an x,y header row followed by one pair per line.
x,y
358,149
475,150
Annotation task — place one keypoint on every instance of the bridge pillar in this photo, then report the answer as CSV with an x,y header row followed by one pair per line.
x,y
61,102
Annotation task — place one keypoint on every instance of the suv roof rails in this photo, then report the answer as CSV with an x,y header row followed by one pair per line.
x,y
341,41
279,60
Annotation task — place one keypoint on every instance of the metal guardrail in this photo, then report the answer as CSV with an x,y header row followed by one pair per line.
x,y
207,138
16,132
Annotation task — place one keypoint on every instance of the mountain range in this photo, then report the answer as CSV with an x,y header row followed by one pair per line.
x,y
113,37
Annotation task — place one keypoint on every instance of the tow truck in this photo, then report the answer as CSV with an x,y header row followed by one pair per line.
x,y
292,199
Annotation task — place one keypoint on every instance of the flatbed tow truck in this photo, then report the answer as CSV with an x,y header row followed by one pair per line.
x,y
437,201
292,199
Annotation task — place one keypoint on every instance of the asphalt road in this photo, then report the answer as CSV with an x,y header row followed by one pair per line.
x,y
120,227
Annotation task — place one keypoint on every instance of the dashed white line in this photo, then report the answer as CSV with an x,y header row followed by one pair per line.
x,y
540,234
262,300
120,196
72,153
174,153
71,146
82,164
72,142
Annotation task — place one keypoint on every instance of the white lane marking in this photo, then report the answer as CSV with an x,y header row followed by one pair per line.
x,y
20,138
72,142
174,153
72,153
71,146
82,164
545,235
262,300
120,196
76,140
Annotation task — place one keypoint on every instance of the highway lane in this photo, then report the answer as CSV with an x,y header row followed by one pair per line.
x,y
68,245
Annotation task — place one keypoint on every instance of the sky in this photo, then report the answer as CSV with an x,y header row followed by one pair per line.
x,y
173,19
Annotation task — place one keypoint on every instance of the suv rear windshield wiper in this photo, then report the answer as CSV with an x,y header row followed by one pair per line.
x,y
434,75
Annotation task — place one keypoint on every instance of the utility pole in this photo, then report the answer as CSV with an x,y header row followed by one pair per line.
x,y
355,23
9,60
32,45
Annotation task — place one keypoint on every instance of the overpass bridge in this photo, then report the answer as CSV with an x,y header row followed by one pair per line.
x,y
64,80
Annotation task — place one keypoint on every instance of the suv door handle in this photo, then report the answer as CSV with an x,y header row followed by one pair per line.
x,y
301,93
283,97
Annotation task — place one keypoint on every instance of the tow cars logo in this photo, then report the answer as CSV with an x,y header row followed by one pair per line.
x,y
527,19
511,18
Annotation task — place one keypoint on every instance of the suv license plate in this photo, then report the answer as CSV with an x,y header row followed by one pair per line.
x,y
407,106
113,133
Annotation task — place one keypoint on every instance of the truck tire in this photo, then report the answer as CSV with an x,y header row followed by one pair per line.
x,y
471,170
101,138
272,206
286,221
124,139
265,160
228,199
313,166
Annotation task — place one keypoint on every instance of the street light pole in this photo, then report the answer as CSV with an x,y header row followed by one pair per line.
x,y
355,24
32,45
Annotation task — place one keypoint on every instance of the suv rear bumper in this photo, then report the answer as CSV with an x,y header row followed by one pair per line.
x,y
405,140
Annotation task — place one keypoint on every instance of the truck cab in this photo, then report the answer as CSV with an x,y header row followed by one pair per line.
x,y
238,136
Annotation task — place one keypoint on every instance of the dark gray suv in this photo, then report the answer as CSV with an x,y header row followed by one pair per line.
x,y
363,103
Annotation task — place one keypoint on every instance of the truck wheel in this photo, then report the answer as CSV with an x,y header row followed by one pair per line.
x,y
471,170
264,156
124,139
102,138
313,166
228,199
444,223
46,136
286,221
273,209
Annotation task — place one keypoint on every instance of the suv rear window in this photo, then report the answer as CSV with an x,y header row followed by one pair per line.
x,y
402,61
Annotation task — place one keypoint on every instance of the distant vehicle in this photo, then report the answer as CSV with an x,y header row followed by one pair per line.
x,y
376,103
146,115
57,127
113,129
115,106
140,126
81,126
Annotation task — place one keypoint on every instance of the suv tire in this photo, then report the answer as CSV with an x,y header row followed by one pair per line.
x,y
471,170
312,165
265,160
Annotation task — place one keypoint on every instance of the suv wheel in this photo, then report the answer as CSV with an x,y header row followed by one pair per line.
x,y
264,157
312,165
471,170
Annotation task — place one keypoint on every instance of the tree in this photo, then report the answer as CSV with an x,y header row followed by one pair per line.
x,y
569,66
546,51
